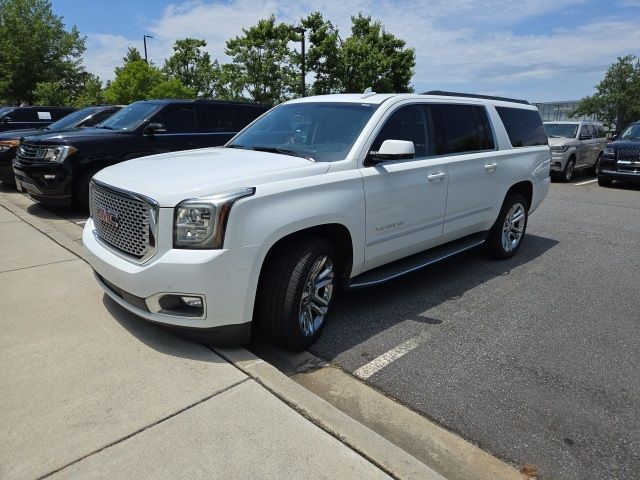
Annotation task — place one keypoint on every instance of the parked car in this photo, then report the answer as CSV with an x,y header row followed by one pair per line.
x,y
574,146
621,158
320,192
55,169
13,118
9,141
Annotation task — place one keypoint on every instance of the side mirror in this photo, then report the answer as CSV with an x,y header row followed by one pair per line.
x,y
392,150
6,119
154,128
585,137
614,136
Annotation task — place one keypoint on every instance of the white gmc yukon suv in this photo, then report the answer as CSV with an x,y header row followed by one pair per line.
x,y
318,193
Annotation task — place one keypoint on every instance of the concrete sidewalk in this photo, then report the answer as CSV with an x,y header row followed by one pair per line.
x,y
89,391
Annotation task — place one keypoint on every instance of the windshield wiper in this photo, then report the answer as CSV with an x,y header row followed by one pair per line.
x,y
105,126
235,145
284,151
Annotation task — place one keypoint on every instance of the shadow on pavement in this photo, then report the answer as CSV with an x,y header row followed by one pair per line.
x,y
359,315
157,337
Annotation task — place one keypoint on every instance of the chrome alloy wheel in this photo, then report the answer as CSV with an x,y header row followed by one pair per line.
x,y
513,227
318,289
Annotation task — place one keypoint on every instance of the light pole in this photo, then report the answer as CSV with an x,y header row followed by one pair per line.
x,y
302,31
144,40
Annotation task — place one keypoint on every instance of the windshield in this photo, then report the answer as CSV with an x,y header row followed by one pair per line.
x,y
632,132
321,131
130,116
561,130
71,120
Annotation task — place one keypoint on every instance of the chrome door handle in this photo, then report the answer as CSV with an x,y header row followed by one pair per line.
x,y
490,167
435,177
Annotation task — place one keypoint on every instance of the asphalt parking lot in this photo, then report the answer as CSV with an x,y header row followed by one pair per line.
x,y
535,359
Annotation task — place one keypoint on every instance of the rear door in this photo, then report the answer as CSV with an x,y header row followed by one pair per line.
x,y
219,123
405,199
464,137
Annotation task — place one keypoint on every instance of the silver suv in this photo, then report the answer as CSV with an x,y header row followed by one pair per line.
x,y
574,145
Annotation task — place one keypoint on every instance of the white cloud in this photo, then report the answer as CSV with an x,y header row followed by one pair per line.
x,y
461,44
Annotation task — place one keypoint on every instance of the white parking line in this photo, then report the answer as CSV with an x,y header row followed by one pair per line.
x,y
392,355
588,181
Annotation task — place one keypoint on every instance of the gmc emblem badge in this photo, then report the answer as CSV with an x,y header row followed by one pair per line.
x,y
107,216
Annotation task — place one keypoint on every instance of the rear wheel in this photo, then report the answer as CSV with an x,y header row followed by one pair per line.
x,y
505,237
296,292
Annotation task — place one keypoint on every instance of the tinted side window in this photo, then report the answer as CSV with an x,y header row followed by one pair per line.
x,y
219,120
524,127
406,123
461,128
58,113
601,132
29,115
246,115
180,120
586,130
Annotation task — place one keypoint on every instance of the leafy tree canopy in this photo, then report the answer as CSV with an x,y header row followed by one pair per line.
x,y
35,48
617,98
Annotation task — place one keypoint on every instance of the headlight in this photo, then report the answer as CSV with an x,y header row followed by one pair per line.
x,y
55,154
6,145
560,148
201,222
609,152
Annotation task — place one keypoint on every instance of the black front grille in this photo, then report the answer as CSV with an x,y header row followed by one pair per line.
x,y
632,154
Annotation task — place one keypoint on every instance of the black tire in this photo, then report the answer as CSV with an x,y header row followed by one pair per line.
x,y
493,245
283,281
81,190
569,169
604,181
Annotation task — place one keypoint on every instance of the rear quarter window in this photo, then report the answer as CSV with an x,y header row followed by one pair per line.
x,y
524,127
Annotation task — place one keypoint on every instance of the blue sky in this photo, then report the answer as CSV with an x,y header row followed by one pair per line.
x,y
541,50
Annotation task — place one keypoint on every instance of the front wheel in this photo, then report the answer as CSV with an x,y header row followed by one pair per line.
x,y
505,237
604,181
296,293
569,169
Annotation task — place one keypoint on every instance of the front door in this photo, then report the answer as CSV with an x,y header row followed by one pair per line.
x,y
405,200
181,131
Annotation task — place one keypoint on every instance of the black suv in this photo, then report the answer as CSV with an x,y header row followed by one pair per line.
x,y
12,118
9,141
56,169
621,158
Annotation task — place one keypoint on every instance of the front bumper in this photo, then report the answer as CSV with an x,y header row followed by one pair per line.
x,y
226,279
48,183
619,175
559,160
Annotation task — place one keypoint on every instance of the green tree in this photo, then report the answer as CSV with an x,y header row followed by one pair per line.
x,y
138,80
262,62
193,67
370,57
35,48
51,94
617,98
90,93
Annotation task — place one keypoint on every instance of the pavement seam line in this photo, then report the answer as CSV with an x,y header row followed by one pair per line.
x,y
41,265
310,417
147,427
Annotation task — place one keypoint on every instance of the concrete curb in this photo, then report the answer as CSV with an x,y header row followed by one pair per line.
x,y
385,455
379,451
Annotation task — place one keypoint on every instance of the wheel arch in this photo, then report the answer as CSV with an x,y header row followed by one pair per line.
x,y
524,188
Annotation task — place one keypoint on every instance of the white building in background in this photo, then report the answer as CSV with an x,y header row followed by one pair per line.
x,y
559,111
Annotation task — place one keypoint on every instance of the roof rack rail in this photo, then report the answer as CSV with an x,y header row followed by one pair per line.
x,y
473,95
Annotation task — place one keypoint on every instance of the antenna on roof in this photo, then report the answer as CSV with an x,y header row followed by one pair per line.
x,y
368,93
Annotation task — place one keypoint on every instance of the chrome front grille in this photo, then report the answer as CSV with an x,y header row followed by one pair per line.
x,y
27,152
124,220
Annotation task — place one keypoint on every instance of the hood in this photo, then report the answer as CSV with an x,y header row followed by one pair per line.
x,y
17,134
70,137
624,144
561,141
170,178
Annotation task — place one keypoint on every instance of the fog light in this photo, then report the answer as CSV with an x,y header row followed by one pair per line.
x,y
195,302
